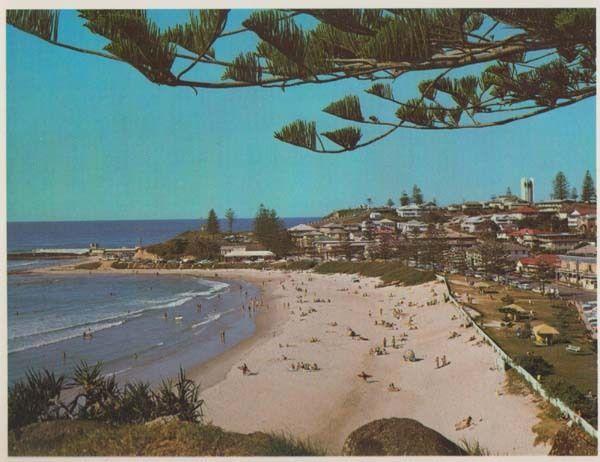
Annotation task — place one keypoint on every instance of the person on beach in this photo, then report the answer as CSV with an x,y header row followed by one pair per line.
x,y
222,336
392,387
165,316
244,369
363,375
437,362
199,307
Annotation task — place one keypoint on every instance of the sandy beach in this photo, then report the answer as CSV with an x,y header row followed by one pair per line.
x,y
305,318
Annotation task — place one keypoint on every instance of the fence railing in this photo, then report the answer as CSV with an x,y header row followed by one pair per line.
x,y
535,384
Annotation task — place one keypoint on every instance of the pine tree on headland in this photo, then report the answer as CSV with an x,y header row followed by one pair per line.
x,y
588,189
230,216
417,195
508,191
390,202
560,187
404,199
212,222
270,231
499,80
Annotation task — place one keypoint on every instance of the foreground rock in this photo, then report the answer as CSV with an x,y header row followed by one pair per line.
x,y
398,437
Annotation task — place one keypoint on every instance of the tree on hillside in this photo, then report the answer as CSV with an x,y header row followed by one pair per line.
x,y
542,60
588,189
230,216
573,194
404,199
494,257
417,195
270,231
212,222
508,191
369,202
560,187
390,203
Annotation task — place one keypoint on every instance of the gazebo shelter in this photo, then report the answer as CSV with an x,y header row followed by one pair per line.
x,y
545,334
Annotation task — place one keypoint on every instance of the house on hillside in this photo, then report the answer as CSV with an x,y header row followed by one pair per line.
x,y
524,211
582,219
412,227
475,224
579,267
375,216
552,206
557,242
409,211
385,223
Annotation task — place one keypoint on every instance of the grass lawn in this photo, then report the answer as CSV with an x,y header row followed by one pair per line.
x,y
580,369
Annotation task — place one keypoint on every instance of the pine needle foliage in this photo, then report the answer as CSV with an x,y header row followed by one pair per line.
x,y
244,68
346,108
199,34
299,133
543,59
347,137
382,90
42,23
136,40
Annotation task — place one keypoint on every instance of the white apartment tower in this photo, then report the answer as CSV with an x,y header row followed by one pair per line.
x,y
527,189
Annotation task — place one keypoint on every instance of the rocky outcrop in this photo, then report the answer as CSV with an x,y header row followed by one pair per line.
x,y
398,437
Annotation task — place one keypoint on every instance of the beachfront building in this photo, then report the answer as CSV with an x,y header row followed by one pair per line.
x,y
225,249
542,264
578,267
245,256
121,253
334,231
409,211
375,216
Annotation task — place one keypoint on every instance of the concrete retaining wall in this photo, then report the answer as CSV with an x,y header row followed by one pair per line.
x,y
537,386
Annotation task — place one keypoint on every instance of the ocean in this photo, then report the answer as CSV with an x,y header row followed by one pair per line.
x,y
48,313
78,235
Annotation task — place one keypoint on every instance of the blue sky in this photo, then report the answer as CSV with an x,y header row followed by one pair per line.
x,y
93,139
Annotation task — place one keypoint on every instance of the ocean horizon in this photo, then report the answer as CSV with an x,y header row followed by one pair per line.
x,y
25,236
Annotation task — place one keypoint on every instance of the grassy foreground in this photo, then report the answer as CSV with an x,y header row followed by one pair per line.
x,y
388,272
174,438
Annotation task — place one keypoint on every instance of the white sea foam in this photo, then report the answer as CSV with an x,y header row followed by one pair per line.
x,y
210,318
69,334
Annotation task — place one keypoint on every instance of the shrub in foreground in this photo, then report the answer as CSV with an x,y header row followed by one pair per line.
x,y
38,398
